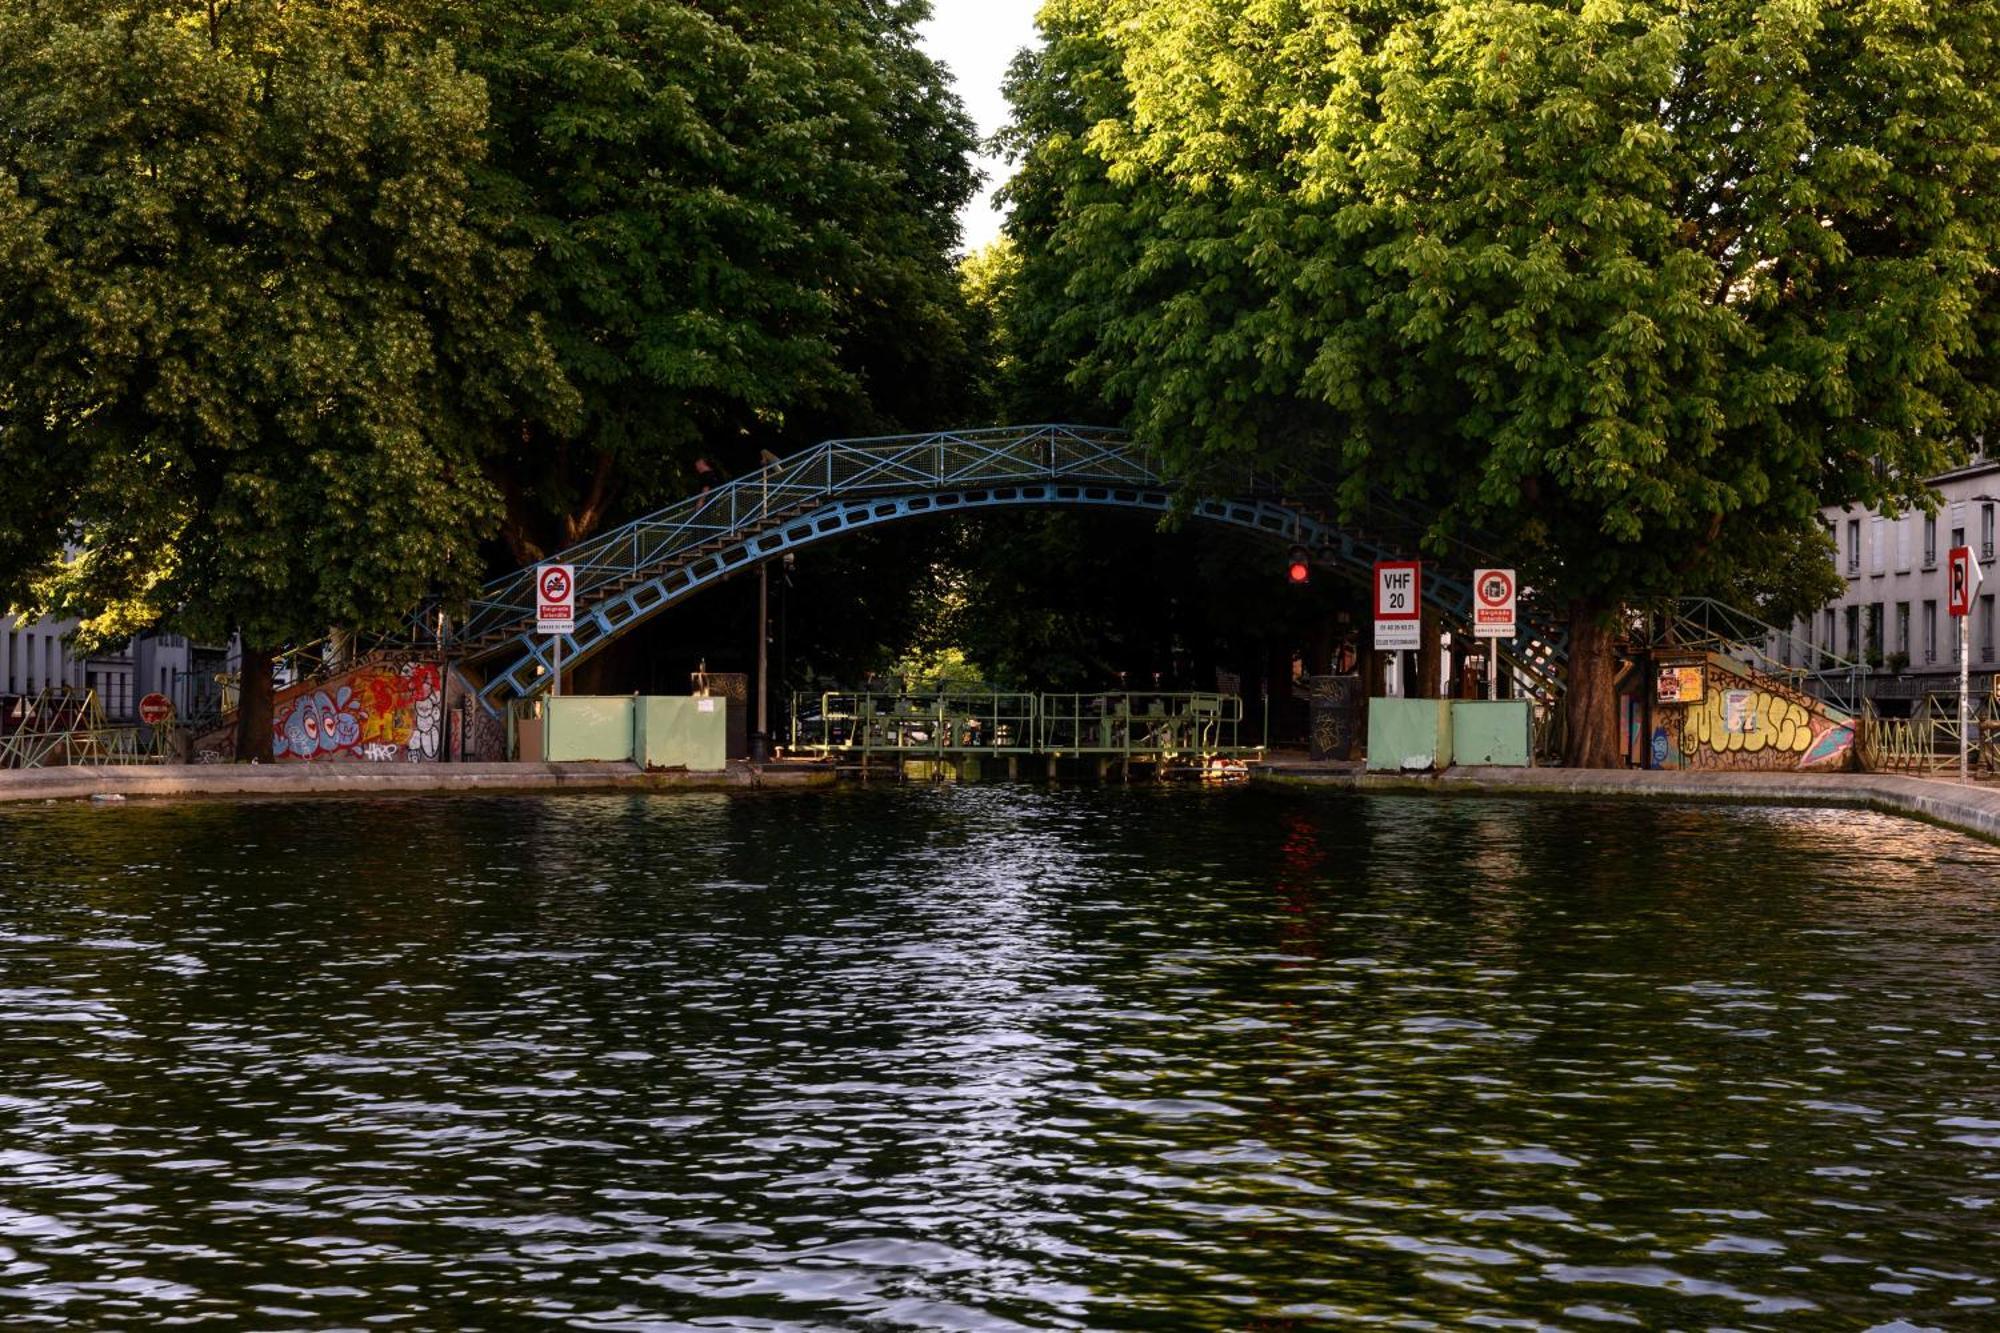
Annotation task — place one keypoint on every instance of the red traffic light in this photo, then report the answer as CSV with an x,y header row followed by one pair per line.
x,y
1298,567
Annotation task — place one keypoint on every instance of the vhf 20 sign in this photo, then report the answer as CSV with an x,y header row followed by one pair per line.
x,y
1399,600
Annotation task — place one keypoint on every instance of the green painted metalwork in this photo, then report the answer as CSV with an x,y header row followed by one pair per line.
x,y
1145,726
65,725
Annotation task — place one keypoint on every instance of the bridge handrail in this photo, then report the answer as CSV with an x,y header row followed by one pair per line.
x,y
847,467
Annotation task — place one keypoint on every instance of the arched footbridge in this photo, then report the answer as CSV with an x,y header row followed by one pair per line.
x,y
627,576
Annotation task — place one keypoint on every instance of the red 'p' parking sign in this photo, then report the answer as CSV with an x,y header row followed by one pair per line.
x,y
1960,598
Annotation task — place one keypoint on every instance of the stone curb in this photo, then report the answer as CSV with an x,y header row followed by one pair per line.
x,y
167,781
1972,810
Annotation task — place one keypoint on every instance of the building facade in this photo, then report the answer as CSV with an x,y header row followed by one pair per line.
x,y
34,657
1893,618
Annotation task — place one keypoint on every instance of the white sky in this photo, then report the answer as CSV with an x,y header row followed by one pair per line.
x,y
977,39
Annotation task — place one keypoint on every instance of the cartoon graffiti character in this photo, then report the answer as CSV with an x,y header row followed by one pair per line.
x,y
318,724
428,726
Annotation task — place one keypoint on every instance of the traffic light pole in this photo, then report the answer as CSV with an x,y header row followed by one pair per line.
x,y
1964,691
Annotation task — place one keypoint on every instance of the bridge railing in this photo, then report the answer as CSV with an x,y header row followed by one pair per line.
x,y
790,487
992,722
1131,725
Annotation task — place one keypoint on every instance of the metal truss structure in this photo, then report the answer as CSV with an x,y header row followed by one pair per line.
x,y
626,576
1703,624
66,725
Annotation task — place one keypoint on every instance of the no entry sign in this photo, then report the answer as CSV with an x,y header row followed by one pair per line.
x,y
155,709
1493,602
555,599
1399,600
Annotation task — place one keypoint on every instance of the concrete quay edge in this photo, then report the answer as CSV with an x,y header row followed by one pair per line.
x,y
181,781
1971,810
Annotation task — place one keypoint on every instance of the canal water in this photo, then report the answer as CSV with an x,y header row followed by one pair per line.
x,y
995,1057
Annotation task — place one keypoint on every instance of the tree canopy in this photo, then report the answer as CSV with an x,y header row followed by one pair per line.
x,y
1640,283
742,218
254,330
302,305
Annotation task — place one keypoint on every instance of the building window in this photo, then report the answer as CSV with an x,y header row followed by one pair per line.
x,y
1986,628
1930,631
1875,631
1854,634
1854,546
1903,630
1957,538
1827,642
1985,532
1930,541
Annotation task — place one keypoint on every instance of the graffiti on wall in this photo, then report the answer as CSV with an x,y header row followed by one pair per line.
x,y
379,714
1753,725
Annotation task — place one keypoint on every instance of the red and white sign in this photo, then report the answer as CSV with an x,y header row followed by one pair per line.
x,y
1399,603
1965,576
155,709
1494,596
555,599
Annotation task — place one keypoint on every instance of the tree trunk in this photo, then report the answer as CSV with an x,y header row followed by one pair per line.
x,y
253,705
1591,702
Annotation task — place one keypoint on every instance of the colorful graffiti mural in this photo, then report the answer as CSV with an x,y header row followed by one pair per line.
x,y
1750,722
378,714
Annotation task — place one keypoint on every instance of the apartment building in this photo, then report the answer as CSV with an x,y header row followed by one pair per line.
x,y
1893,616
34,657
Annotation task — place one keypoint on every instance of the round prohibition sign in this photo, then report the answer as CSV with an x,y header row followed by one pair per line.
x,y
1495,589
555,585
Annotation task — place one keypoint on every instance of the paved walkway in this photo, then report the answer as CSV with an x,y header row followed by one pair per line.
x,y
1974,810
282,780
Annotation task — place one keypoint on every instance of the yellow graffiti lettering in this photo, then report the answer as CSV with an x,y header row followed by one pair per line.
x,y
1749,722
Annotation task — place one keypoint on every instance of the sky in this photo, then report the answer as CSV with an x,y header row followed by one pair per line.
x,y
977,39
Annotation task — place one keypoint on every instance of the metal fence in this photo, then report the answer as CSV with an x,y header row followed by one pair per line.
x,y
65,725
1929,740
1147,726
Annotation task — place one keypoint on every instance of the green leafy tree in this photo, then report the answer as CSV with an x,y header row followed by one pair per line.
x,y
254,331
1641,283
742,218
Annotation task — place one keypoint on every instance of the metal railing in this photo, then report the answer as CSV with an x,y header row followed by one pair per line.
x,y
1702,624
66,725
1147,726
1928,741
789,487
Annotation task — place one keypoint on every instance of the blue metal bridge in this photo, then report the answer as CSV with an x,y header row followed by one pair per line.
x,y
628,575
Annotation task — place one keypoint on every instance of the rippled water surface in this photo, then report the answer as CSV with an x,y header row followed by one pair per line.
x,y
993,1057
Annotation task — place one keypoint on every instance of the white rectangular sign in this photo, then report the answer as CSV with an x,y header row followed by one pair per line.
x,y
555,599
1398,635
1494,599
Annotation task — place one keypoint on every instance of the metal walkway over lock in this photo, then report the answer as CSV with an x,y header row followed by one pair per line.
x,y
626,576
1149,726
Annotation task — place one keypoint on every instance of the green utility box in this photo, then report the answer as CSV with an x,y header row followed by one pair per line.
x,y
1408,734
583,728
673,732
1496,734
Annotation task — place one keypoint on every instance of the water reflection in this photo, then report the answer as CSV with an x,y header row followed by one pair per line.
x,y
995,1057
